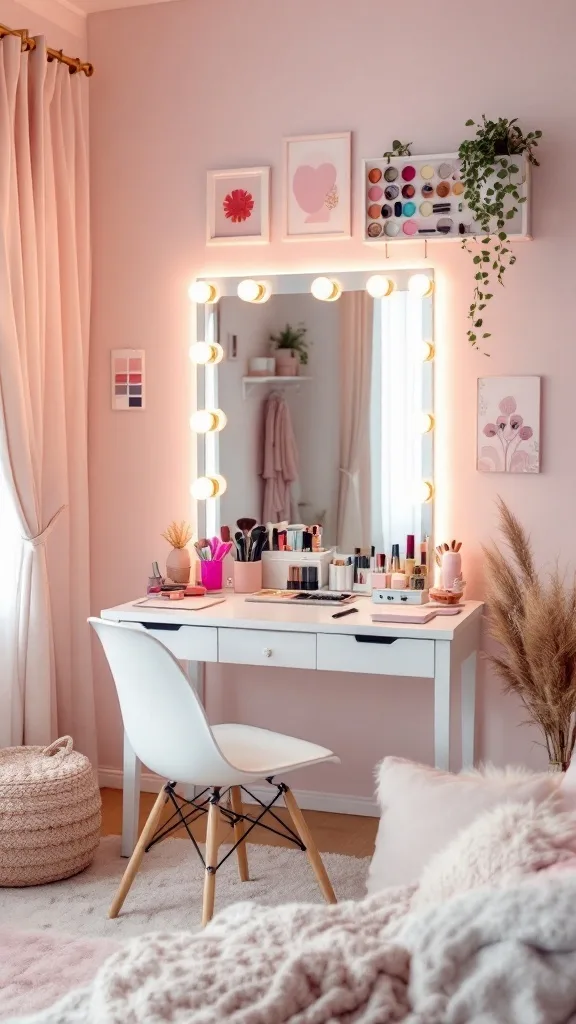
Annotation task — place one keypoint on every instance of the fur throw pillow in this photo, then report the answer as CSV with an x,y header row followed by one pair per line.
x,y
501,845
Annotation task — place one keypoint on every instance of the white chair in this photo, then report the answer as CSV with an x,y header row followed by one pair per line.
x,y
168,730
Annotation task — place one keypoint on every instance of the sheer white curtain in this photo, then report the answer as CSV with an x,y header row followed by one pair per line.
x,y
46,676
356,334
395,430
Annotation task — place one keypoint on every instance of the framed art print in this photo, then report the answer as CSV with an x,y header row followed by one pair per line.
x,y
317,187
127,379
508,425
238,206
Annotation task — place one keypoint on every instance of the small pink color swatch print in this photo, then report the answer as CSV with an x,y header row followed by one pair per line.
x,y
127,379
509,424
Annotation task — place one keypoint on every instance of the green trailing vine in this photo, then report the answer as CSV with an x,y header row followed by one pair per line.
x,y
398,149
492,189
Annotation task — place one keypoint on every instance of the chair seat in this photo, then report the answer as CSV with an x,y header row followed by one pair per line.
x,y
260,752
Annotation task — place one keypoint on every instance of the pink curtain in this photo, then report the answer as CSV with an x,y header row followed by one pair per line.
x,y
356,339
46,686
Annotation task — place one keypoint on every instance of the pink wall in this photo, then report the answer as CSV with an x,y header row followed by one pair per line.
x,y
71,39
186,86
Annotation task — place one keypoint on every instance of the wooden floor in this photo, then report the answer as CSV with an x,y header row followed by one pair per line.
x,y
334,833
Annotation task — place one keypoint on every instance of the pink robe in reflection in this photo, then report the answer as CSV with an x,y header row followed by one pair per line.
x,y
280,463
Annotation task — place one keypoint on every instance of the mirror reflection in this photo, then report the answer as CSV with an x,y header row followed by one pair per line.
x,y
326,405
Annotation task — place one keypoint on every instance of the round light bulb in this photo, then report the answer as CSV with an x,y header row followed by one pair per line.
x,y
428,351
426,491
252,291
202,292
421,284
325,289
220,483
426,422
204,420
203,488
202,352
379,287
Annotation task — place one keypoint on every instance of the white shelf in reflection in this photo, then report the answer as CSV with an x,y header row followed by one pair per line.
x,y
248,383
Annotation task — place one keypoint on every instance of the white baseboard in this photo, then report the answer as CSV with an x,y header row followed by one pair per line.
x,y
336,803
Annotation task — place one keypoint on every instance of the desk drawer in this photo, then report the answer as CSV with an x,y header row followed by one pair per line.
x,y
189,643
267,647
341,652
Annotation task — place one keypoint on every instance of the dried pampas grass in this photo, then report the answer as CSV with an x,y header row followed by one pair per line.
x,y
178,534
534,620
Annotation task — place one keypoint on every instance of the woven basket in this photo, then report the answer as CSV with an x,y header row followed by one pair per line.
x,y
49,813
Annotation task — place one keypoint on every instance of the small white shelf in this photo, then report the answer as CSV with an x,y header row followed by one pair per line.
x,y
248,383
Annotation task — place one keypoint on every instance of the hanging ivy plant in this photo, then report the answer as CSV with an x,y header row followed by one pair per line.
x,y
492,188
398,149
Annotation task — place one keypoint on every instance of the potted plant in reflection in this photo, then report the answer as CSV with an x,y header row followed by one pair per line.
x,y
493,175
291,348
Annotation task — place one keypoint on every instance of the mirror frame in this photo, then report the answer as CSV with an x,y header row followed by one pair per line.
x,y
207,329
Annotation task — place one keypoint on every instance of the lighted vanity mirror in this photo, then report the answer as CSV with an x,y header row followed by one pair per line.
x,y
328,404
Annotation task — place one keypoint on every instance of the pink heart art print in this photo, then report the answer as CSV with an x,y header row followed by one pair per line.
x,y
315,191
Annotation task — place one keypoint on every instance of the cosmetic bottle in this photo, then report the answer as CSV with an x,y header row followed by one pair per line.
x,y
395,559
398,581
417,579
409,562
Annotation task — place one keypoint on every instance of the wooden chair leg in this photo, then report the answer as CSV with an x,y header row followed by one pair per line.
x,y
311,848
211,862
241,852
136,858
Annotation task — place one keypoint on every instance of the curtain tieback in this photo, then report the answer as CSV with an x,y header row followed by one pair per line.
x,y
41,537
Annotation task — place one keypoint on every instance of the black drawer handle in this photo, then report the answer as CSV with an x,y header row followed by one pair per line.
x,y
360,639
171,626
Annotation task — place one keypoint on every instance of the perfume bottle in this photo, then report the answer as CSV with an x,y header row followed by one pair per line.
x,y
417,579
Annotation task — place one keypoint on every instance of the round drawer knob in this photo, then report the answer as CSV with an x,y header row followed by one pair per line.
x,y
267,652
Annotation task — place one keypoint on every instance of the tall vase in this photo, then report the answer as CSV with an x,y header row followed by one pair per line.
x,y
178,565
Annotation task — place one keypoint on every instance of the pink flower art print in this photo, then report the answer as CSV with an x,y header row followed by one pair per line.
x,y
509,425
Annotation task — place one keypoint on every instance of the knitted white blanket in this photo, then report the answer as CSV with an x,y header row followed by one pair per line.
x,y
506,956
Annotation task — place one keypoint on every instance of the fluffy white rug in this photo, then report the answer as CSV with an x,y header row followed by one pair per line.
x,y
167,892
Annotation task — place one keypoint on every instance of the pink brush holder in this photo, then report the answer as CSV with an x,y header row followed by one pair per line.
x,y
247,577
211,574
451,568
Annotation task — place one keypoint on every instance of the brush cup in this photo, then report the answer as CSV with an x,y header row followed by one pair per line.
x,y
247,577
451,568
211,574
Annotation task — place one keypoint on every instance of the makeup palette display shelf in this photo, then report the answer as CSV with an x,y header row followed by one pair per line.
x,y
422,197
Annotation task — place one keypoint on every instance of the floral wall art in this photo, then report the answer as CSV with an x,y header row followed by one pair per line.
x,y
237,206
509,424
317,187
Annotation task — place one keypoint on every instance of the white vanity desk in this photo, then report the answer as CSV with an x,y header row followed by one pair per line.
x,y
242,633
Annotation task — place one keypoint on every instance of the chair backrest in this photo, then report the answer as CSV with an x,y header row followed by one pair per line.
x,y
163,718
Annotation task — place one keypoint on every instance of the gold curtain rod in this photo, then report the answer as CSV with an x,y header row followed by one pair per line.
x,y
74,63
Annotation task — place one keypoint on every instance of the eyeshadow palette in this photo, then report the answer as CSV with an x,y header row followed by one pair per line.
x,y
128,379
422,197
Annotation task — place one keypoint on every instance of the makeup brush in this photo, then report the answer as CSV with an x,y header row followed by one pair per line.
x,y
240,542
201,546
259,543
225,534
247,525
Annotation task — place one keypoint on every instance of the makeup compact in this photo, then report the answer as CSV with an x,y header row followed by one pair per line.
x,y
444,212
